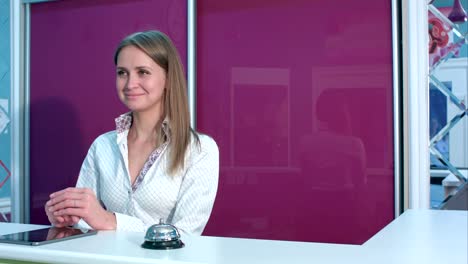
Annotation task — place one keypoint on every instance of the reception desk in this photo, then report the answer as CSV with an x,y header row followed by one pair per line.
x,y
417,236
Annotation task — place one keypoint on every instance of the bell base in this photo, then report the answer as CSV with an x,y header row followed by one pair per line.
x,y
163,245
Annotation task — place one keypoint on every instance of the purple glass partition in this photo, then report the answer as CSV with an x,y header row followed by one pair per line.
x,y
298,95
73,96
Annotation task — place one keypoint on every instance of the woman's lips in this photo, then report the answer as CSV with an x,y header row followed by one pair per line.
x,y
130,96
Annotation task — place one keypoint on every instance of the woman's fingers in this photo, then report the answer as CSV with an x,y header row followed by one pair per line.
x,y
71,211
72,204
66,204
69,190
74,198
54,220
75,219
58,221
62,220
70,220
65,196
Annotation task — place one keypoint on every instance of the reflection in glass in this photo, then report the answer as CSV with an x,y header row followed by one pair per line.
x,y
458,14
5,113
438,119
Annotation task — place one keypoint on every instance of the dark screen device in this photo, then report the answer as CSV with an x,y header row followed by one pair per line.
x,y
44,236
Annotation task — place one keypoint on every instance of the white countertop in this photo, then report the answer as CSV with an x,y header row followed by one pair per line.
x,y
425,236
421,236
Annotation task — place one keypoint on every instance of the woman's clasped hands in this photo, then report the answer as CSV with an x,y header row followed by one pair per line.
x,y
68,206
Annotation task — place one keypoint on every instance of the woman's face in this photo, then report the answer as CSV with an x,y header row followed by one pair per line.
x,y
140,81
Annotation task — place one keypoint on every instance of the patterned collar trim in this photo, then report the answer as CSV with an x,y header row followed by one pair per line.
x,y
124,122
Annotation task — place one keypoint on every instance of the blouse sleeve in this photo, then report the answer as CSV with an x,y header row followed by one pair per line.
x,y
88,178
198,189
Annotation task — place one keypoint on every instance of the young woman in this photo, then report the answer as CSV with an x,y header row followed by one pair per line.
x,y
153,165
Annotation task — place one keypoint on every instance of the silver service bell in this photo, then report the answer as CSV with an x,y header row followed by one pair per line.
x,y
162,236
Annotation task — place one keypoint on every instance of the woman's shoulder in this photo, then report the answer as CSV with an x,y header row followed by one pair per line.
x,y
202,147
203,143
106,139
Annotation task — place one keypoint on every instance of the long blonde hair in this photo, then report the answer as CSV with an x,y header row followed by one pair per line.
x,y
160,48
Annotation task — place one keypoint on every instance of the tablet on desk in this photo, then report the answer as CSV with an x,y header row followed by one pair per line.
x,y
44,236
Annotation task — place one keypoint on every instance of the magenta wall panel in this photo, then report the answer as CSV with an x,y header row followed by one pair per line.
x,y
297,94
73,96
299,97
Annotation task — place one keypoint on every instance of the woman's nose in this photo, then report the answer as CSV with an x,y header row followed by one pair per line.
x,y
132,81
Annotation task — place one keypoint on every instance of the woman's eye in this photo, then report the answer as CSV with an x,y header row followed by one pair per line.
x,y
143,72
121,73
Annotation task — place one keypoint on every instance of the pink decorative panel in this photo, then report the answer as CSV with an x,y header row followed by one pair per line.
x,y
298,95
73,94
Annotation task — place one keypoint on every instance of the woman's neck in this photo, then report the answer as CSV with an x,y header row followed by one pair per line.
x,y
145,126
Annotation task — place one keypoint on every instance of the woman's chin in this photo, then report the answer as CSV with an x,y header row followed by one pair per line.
x,y
139,107
135,107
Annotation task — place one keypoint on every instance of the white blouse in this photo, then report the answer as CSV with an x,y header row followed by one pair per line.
x,y
184,199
